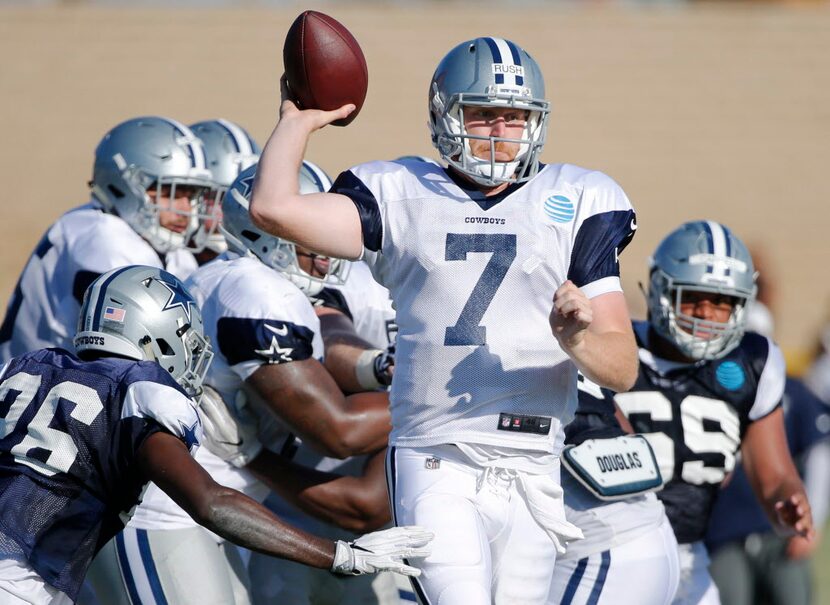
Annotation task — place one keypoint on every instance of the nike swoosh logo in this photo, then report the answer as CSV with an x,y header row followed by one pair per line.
x,y
234,443
278,331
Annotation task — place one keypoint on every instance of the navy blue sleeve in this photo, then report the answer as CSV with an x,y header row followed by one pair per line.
x,y
81,282
367,207
332,299
245,339
600,240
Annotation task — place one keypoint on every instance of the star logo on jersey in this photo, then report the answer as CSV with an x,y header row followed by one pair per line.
x,y
189,434
275,353
179,297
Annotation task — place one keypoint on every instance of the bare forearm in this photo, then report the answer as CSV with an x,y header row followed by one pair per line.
x,y
247,523
336,499
608,359
277,175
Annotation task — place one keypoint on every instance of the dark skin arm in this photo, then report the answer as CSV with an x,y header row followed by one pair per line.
x,y
773,476
165,460
343,347
304,395
359,504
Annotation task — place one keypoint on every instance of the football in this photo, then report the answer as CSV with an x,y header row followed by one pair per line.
x,y
324,65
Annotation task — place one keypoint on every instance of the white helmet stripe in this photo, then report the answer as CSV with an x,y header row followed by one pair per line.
x,y
194,144
319,175
240,139
719,267
510,68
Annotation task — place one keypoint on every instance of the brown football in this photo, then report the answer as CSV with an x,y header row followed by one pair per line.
x,y
324,65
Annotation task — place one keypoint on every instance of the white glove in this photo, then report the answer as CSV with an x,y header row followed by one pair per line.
x,y
231,437
383,550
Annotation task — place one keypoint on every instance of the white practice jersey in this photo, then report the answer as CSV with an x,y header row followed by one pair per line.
x,y
81,245
367,303
253,316
473,280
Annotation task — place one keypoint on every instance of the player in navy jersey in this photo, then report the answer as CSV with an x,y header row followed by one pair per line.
x,y
707,389
268,346
505,280
148,180
83,435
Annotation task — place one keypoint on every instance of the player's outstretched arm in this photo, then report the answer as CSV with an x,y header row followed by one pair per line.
x,y
326,223
165,461
305,396
596,333
773,475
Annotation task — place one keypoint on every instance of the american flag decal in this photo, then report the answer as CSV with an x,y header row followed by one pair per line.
x,y
114,314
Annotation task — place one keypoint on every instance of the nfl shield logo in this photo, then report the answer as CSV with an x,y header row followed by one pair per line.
x,y
432,463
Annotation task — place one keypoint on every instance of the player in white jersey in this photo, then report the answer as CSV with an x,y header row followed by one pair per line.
x,y
268,343
148,178
505,280
229,150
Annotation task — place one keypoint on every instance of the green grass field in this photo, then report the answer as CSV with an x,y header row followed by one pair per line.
x,y
821,564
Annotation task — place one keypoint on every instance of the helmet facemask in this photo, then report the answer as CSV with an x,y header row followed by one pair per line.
x,y
694,337
453,140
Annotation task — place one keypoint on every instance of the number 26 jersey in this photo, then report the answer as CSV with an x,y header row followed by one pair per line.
x,y
472,279
695,416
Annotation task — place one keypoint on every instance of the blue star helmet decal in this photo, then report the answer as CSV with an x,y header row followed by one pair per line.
x,y
179,297
246,184
189,434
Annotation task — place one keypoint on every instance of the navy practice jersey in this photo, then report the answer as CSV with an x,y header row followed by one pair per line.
x,y
695,416
69,439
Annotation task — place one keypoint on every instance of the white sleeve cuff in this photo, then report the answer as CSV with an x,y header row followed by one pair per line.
x,y
602,286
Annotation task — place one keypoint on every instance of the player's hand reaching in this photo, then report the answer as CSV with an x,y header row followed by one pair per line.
x,y
795,514
232,438
571,315
313,119
383,550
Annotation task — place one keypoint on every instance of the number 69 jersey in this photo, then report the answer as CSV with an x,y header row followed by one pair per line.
x,y
695,416
69,437
472,279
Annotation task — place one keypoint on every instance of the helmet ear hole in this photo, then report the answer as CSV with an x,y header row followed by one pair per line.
x,y
164,347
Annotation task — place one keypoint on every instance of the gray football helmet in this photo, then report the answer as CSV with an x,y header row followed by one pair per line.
x,y
702,256
244,237
145,153
229,150
145,313
487,72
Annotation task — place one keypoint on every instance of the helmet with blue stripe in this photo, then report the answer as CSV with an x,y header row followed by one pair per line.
x,y
244,237
156,155
488,72
146,314
229,150
700,256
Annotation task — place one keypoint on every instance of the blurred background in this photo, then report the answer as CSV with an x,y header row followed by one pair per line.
x,y
717,110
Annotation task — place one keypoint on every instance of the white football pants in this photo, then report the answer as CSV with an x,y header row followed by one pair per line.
x,y
488,549
643,571
696,585
181,566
